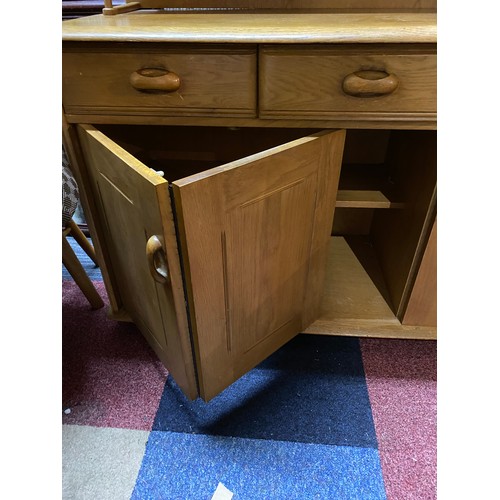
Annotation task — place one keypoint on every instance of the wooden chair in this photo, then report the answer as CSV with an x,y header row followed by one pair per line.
x,y
70,197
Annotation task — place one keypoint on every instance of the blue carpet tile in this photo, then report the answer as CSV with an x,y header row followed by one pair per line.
x,y
189,467
312,390
93,272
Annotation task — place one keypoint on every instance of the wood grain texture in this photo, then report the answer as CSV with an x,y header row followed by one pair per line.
x,y
251,242
353,305
422,305
399,235
330,162
308,81
211,80
364,199
396,27
135,204
383,121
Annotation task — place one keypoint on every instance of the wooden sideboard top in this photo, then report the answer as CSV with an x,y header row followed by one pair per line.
x,y
256,27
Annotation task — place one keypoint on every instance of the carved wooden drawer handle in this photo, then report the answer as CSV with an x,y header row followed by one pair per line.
x,y
155,80
370,84
157,260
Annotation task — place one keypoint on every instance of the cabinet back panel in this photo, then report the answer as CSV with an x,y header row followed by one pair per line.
x,y
365,146
352,221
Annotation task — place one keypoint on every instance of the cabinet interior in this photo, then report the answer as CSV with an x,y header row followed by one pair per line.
x,y
180,152
384,210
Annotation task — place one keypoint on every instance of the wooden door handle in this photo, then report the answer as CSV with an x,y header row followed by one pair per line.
x,y
155,80
157,259
370,84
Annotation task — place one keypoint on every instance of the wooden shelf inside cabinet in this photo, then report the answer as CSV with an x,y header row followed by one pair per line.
x,y
354,299
366,186
350,198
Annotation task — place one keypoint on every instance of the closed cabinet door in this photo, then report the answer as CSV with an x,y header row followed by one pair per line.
x,y
246,251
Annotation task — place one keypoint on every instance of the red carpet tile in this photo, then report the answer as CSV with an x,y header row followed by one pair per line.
x,y
111,377
401,379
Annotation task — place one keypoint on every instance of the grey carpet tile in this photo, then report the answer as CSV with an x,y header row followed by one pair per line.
x,y
100,463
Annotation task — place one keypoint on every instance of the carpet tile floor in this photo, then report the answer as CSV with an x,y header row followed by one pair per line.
x,y
322,418
255,468
100,462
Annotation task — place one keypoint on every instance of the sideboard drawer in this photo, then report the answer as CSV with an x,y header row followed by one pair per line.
x,y
321,82
160,81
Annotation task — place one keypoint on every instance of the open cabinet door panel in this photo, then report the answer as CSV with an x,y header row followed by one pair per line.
x,y
134,203
254,236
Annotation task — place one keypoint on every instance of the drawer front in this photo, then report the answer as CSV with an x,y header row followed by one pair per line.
x,y
321,82
160,82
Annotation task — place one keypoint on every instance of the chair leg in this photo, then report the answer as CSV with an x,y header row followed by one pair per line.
x,y
82,240
75,268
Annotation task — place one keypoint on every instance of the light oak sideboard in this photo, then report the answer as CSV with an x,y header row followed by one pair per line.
x,y
248,175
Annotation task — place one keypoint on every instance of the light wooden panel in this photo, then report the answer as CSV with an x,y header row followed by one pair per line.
x,y
414,121
398,235
353,305
364,199
213,80
134,202
422,305
329,166
254,235
398,27
307,82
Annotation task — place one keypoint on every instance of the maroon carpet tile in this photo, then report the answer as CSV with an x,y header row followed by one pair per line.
x,y
111,377
401,378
